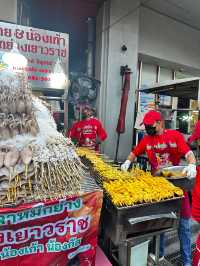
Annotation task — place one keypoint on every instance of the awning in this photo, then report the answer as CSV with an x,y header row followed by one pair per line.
x,y
183,88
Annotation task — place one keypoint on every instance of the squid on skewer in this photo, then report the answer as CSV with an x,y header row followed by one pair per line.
x,y
26,156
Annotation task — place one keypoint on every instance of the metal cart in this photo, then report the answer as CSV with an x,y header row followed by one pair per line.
x,y
123,228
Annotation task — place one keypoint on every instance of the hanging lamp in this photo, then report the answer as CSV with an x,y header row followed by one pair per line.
x,y
58,77
14,59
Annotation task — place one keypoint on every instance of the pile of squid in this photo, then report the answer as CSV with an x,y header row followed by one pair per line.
x,y
130,188
16,110
36,161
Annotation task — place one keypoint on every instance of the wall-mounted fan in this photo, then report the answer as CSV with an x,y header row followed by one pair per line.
x,y
83,89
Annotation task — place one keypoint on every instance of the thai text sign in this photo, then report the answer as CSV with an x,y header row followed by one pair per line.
x,y
60,232
42,48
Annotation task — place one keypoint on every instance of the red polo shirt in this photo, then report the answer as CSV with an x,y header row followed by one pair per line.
x,y
163,149
86,132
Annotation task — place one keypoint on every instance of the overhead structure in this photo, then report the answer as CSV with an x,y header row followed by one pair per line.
x,y
183,88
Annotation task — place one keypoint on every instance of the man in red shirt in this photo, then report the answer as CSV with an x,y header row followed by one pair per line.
x,y
196,133
165,147
88,132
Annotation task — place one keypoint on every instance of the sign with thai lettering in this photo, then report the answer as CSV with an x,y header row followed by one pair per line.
x,y
42,48
59,232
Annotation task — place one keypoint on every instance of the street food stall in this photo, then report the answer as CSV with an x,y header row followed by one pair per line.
x,y
137,208
49,204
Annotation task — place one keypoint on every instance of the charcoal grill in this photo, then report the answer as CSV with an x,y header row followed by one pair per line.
x,y
123,222
124,227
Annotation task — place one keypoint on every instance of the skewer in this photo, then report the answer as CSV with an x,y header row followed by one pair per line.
x,y
49,174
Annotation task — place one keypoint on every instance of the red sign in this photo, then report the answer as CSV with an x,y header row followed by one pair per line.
x,y
52,233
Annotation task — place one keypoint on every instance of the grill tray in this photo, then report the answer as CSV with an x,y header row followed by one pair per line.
x,y
143,209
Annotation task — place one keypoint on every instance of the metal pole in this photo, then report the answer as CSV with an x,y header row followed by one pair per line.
x,y
117,148
158,74
90,49
138,86
137,103
118,136
65,115
157,249
65,109
174,104
157,97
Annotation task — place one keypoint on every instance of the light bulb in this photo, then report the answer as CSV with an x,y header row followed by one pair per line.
x,y
58,68
14,59
58,78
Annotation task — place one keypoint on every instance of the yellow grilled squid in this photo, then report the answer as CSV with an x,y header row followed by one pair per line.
x,y
130,188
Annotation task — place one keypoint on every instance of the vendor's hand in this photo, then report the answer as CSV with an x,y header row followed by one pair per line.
x,y
190,171
125,165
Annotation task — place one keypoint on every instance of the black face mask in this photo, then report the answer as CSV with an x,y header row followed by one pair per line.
x,y
151,131
84,116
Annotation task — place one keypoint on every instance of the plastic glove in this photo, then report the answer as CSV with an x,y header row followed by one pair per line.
x,y
190,171
125,165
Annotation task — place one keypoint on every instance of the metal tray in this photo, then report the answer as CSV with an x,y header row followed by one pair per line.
x,y
174,169
143,209
182,182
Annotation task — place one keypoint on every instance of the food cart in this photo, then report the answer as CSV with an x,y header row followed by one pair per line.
x,y
127,225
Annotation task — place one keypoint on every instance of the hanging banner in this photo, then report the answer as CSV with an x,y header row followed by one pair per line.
x,y
42,48
60,232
